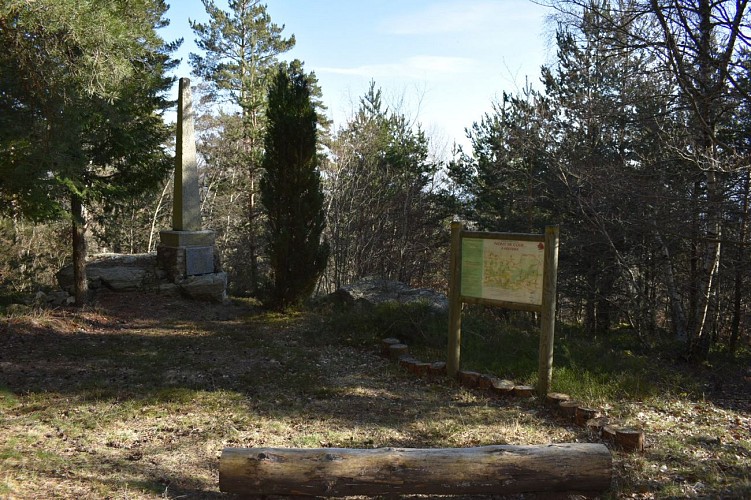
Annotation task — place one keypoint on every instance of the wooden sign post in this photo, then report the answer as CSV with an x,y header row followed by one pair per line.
x,y
515,271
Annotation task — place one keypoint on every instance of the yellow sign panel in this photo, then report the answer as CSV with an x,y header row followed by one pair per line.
x,y
503,270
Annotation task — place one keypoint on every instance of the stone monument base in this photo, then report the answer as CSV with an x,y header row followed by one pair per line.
x,y
207,287
203,238
189,260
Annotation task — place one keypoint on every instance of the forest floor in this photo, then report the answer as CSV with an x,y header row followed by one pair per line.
x,y
136,396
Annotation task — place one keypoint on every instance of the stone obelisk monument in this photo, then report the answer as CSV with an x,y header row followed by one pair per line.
x,y
186,252
186,213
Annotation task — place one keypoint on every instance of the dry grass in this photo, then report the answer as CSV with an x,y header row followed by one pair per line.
x,y
136,398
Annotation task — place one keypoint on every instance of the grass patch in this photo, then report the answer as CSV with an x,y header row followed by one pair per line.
x,y
507,345
697,426
137,398
148,487
10,452
415,324
8,400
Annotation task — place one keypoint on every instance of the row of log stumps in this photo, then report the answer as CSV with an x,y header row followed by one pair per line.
x,y
599,426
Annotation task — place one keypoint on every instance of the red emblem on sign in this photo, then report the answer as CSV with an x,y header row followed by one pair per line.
x,y
541,246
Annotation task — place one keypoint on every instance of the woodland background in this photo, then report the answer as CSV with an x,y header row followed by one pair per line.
x,y
636,141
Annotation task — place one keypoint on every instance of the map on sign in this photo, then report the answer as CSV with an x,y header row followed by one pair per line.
x,y
504,270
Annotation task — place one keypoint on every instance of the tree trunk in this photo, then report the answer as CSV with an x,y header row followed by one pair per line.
x,y
699,349
80,281
503,470
740,266
678,315
155,217
252,240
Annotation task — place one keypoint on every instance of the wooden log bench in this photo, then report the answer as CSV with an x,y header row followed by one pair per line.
x,y
336,472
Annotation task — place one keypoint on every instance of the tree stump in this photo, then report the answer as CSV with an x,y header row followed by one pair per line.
x,y
396,351
386,346
630,439
486,470
568,409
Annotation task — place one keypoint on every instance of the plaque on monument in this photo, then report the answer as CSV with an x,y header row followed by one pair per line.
x,y
199,260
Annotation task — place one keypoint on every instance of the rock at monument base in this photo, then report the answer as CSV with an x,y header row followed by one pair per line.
x,y
125,273
374,291
169,289
206,287
120,279
114,271
54,298
171,260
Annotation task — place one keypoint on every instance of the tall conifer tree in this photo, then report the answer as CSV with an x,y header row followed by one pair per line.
x,y
239,48
291,188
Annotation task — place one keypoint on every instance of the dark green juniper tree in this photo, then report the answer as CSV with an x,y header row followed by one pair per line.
x,y
291,188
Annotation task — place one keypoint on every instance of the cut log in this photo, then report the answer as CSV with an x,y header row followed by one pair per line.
x,y
468,378
503,387
523,391
595,425
608,433
585,414
420,368
438,369
336,472
396,351
630,439
555,398
485,382
386,345
407,362
568,409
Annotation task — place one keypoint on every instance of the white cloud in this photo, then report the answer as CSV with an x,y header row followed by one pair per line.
x,y
459,17
416,67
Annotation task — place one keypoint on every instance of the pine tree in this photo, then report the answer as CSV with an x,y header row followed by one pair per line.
x,y
699,48
382,219
240,49
291,189
80,108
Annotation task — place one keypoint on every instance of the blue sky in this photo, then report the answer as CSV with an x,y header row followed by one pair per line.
x,y
440,62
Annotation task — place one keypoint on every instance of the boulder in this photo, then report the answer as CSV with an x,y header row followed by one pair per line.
x,y
372,291
205,287
59,298
114,271
124,273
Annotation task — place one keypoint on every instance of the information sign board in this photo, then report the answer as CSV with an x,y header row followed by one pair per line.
x,y
515,271
503,270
